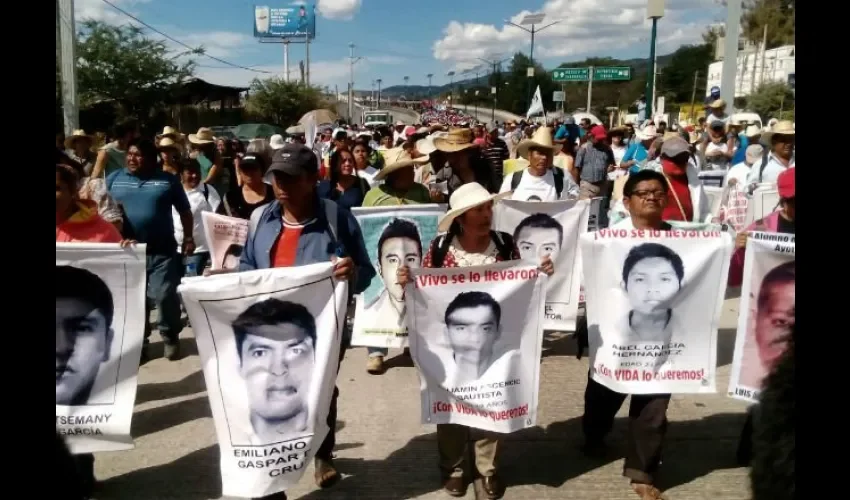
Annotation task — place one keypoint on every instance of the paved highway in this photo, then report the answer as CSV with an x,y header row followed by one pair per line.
x,y
485,115
407,116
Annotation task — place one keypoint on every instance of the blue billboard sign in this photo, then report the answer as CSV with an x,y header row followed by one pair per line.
x,y
297,22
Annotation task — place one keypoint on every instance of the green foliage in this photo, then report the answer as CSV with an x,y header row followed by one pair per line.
x,y
276,101
120,64
771,98
678,76
776,15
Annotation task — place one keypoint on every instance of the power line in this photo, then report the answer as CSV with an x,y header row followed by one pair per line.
x,y
193,49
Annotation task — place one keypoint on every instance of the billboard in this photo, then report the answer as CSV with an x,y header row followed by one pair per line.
x,y
297,21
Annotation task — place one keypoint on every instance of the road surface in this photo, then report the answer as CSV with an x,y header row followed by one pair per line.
x,y
407,116
384,453
485,115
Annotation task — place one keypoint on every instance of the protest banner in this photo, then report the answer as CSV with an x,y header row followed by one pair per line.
x,y
394,236
476,337
767,311
269,344
550,228
100,323
226,237
654,300
765,199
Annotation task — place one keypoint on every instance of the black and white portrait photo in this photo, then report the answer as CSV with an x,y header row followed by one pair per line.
x,y
473,328
537,236
84,333
652,279
276,345
399,245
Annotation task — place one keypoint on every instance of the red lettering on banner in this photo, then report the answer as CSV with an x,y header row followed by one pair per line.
x,y
443,407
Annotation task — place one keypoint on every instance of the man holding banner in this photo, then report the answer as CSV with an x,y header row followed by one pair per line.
x,y
298,229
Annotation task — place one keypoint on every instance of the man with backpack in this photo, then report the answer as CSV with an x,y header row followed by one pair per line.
x,y
541,181
298,229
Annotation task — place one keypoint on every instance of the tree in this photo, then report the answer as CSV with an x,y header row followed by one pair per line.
x,y
679,73
120,64
771,99
777,15
281,102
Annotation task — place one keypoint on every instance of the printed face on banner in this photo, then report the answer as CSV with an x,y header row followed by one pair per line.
x,y
537,236
652,278
393,242
232,256
473,325
395,252
85,310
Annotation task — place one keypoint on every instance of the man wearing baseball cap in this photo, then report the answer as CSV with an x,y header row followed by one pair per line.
x,y
687,200
298,229
593,163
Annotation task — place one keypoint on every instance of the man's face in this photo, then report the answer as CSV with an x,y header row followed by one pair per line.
x,y
536,243
539,159
277,364
82,343
397,252
652,284
647,200
774,321
295,190
585,123
473,329
783,145
134,159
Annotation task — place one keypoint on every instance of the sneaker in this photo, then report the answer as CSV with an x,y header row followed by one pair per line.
x,y
172,351
375,365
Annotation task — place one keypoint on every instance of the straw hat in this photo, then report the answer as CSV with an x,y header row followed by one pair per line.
x,y
455,140
646,133
170,132
784,127
542,139
718,104
76,136
694,137
465,197
395,159
204,136
168,142
426,146
753,131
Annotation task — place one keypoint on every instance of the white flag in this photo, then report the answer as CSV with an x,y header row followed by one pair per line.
x,y
536,104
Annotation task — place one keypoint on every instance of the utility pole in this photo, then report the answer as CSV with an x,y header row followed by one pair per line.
x,y
378,104
589,87
430,76
68,65
351,60
533,20
763,57
730,52
654,11
693,114
307,71
286,60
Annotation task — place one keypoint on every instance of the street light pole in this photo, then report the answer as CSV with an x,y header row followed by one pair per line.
x,y
378,105
429,75
654,11
533,20
352,61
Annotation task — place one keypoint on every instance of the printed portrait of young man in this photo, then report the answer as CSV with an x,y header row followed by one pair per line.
x,y
84,334
399,245
537,236
276,342
473,326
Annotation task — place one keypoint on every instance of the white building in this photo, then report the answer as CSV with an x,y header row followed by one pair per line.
x,y
753,69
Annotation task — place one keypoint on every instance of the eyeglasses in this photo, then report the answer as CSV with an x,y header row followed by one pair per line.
x,y
645,195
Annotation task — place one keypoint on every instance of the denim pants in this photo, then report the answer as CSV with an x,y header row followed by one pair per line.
x,y
194,264
164,272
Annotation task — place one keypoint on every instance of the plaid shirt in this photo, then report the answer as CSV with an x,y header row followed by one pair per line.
x,y
593,163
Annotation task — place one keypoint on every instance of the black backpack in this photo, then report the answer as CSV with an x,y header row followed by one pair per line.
x,y
557,172
440,246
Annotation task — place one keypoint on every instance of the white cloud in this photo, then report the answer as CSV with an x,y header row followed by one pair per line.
x,y
338,9
586,28
100,11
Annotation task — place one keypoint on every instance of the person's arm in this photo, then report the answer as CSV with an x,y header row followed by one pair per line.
x,y
236,161
629,158
181,204
214,170
100,164
579,160
215,199
356,247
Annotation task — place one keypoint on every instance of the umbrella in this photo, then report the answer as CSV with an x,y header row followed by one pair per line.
x,y
319,116
248,131
296,130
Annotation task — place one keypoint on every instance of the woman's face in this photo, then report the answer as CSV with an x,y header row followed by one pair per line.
x,y
251,173
64,195
651,285
616,140
191,177
360,155
219,145
477,220
387,141
346,163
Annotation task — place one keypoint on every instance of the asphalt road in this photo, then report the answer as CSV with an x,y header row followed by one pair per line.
x,y
407,116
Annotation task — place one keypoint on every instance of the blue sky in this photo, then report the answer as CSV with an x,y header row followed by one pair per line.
x,y
410,38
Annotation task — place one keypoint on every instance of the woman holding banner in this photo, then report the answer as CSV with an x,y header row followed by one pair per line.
x,y
469,240
398,188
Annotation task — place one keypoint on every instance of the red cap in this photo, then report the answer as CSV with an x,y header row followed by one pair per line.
x,y
598,132
786,183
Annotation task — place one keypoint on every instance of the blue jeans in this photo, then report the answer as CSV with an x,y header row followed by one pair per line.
x,y
198,261
163,276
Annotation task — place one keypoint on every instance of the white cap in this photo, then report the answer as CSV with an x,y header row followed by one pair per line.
x,y
276,141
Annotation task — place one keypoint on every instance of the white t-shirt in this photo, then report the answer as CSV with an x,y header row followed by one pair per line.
x,y
369,174
198,203
533,188
738,172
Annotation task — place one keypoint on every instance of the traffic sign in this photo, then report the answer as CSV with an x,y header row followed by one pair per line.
x,y
559,96
570,74
612,74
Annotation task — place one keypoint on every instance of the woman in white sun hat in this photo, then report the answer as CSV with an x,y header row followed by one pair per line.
x,y
469,241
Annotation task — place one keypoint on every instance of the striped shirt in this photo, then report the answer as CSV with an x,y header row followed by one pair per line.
x,y
592,163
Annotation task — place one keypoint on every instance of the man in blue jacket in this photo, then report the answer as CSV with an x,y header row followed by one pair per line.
x,y
298,229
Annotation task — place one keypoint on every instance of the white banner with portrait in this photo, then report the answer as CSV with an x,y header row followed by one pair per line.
x,y
100,323
269,344
654,300
550,228
394,237
476,336
766,313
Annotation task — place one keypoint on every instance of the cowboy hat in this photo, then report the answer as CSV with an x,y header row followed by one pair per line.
x,y
395,159
167,142
718,104
170,132
784,127
541,139
204,136
646,133
426,146
752,131
455,140
465,197
77,135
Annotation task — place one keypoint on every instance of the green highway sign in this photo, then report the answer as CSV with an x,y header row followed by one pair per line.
x,y
600,74
612,74
570,74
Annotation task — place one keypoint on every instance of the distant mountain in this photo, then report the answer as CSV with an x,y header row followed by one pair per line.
x,y
638,65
